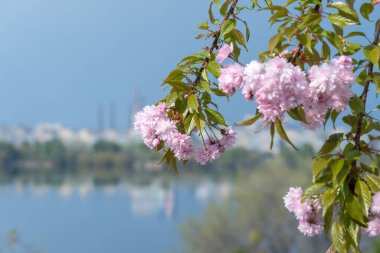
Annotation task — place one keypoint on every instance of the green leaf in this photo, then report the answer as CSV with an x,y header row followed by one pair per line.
x,y
219,92
356,105
247,31
205,75
328,197
283,134
203,25
339,20
214,68
311,19
346,9
353,34
354,233
178,85
372,53
199,121
289,2
312,189
223,8
274,41
319,164
165,157
336,166
273,8
175,75
250,121
238,37
297,114
332,143
326,50
180,105
364,195
366,9
334,116
205,86
337,237
355,210
174,164
351,48
217,2
215,116
271,135
227,27
328,214
192,102
211,15
373,182
190,122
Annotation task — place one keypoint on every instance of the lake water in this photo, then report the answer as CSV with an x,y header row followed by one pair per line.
x,y
81,215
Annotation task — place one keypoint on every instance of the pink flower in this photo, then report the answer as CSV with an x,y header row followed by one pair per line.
x,y
207,154
224,52
373,228
329,88
292,199
375,2
229,137
306,212
277,85
375,207
312,227
315,116
231,78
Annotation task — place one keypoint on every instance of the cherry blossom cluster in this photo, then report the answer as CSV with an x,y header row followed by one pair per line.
x,y
157,129
373,228
306,212
278,86
329,88
214,147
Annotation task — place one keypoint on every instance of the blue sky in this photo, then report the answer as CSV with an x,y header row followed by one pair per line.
x,y
60,58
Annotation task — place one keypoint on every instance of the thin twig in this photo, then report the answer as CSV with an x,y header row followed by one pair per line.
x,y
364,94
214,44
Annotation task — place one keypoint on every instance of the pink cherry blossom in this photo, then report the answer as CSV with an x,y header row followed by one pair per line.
x,y
224,52
292,199
329,88
306,212
229,137
206,154
277,85
375,207
312,227
373,228
231,78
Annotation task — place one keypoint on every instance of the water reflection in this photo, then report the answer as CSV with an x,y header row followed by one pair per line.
x,y
111,213
155,197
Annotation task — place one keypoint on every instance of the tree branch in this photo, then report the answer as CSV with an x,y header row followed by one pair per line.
x,y
214,44
298,50
364,94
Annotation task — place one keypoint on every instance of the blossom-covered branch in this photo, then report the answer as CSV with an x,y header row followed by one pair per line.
x,y
214,44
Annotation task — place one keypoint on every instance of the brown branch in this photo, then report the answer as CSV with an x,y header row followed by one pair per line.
x,y
297,53
298,50
214,44
364,94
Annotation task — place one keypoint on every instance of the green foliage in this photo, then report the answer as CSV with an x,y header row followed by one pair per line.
x,y
345,170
